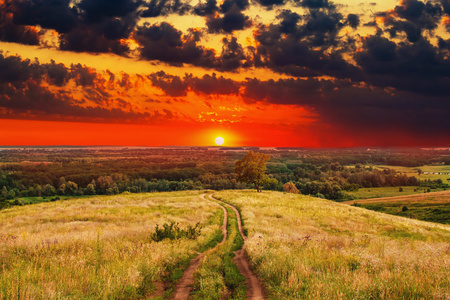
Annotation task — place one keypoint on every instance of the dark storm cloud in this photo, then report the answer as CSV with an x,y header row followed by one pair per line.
x,y
314,3
37,102
176,86
412,17
291,47
55,14
165,43
225,18
14,70
98,10
88,39
232,56
353,20
206,8
446,6
87,26
213,85
418,67
23,95
171,85
355,107
231,21
12,32
156,8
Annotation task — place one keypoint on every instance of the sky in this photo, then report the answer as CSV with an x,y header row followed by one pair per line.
x,y
274,73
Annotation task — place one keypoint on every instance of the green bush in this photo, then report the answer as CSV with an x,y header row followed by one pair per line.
x,y
173,231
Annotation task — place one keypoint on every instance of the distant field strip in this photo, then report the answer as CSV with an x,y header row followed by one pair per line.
x,y
431,207
100,247
308,248
436,197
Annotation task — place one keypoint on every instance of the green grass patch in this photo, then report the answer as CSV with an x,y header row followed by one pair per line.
x,y
218,276
431,212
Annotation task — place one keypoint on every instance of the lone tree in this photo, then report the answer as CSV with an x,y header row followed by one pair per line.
x,y
251,169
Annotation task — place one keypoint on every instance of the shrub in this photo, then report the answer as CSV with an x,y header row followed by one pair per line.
x,y
289,187
173,231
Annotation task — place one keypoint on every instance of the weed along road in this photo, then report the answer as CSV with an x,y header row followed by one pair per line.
x,y
254,286
184,285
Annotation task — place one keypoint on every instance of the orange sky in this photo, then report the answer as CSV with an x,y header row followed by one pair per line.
x,y
267,73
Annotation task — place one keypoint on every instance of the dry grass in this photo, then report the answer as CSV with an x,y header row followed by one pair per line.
x,y
97,247
308,248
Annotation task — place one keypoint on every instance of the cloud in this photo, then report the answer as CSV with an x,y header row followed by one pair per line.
x,y
30,90
12,32
419,67
314,3
55,14
165,43
171,85
412,17
353,20
156,8
291,46
213,85
356,108
231,21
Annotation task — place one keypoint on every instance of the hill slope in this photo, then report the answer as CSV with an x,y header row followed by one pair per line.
x,y
309,248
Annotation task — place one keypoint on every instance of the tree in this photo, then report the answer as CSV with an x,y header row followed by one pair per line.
x,y
251,169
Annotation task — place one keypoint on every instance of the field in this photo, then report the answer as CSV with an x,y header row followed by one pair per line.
x,y
300,247
308,248
100,247
433,207
382,192
429,169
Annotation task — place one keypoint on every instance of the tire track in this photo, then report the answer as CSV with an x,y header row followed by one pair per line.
x,y
184,285
254,287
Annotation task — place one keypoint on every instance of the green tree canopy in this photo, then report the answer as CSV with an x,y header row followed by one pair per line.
x,y
251,169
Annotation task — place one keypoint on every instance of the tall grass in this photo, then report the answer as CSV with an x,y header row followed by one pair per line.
x,y
99,247
308,248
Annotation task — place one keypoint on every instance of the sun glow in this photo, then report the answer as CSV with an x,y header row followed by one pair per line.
x,y
219,141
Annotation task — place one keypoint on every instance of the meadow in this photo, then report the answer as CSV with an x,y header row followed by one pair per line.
x,y
100,247
428,171
307,248
391,191
432,207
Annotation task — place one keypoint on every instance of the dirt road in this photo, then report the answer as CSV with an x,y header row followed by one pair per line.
x,y
184,285
254,287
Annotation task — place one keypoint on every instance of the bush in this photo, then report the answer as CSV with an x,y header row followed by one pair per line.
x,y
289,187
173,231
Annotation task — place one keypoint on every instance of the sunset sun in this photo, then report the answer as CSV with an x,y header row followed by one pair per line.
x,y
219,141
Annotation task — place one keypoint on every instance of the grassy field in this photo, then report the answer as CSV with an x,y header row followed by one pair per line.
x,y
308,248
382,192
413,171
432,207
100,247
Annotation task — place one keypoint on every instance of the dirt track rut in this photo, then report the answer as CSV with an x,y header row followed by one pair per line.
x,y
254,287
184,285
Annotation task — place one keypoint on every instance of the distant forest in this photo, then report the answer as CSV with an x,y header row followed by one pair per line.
x,y
102,171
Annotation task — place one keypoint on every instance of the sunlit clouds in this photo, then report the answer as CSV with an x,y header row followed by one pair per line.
x,y
307,73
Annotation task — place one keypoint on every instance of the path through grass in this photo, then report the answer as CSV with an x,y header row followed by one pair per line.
x,y
309,248
100,247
